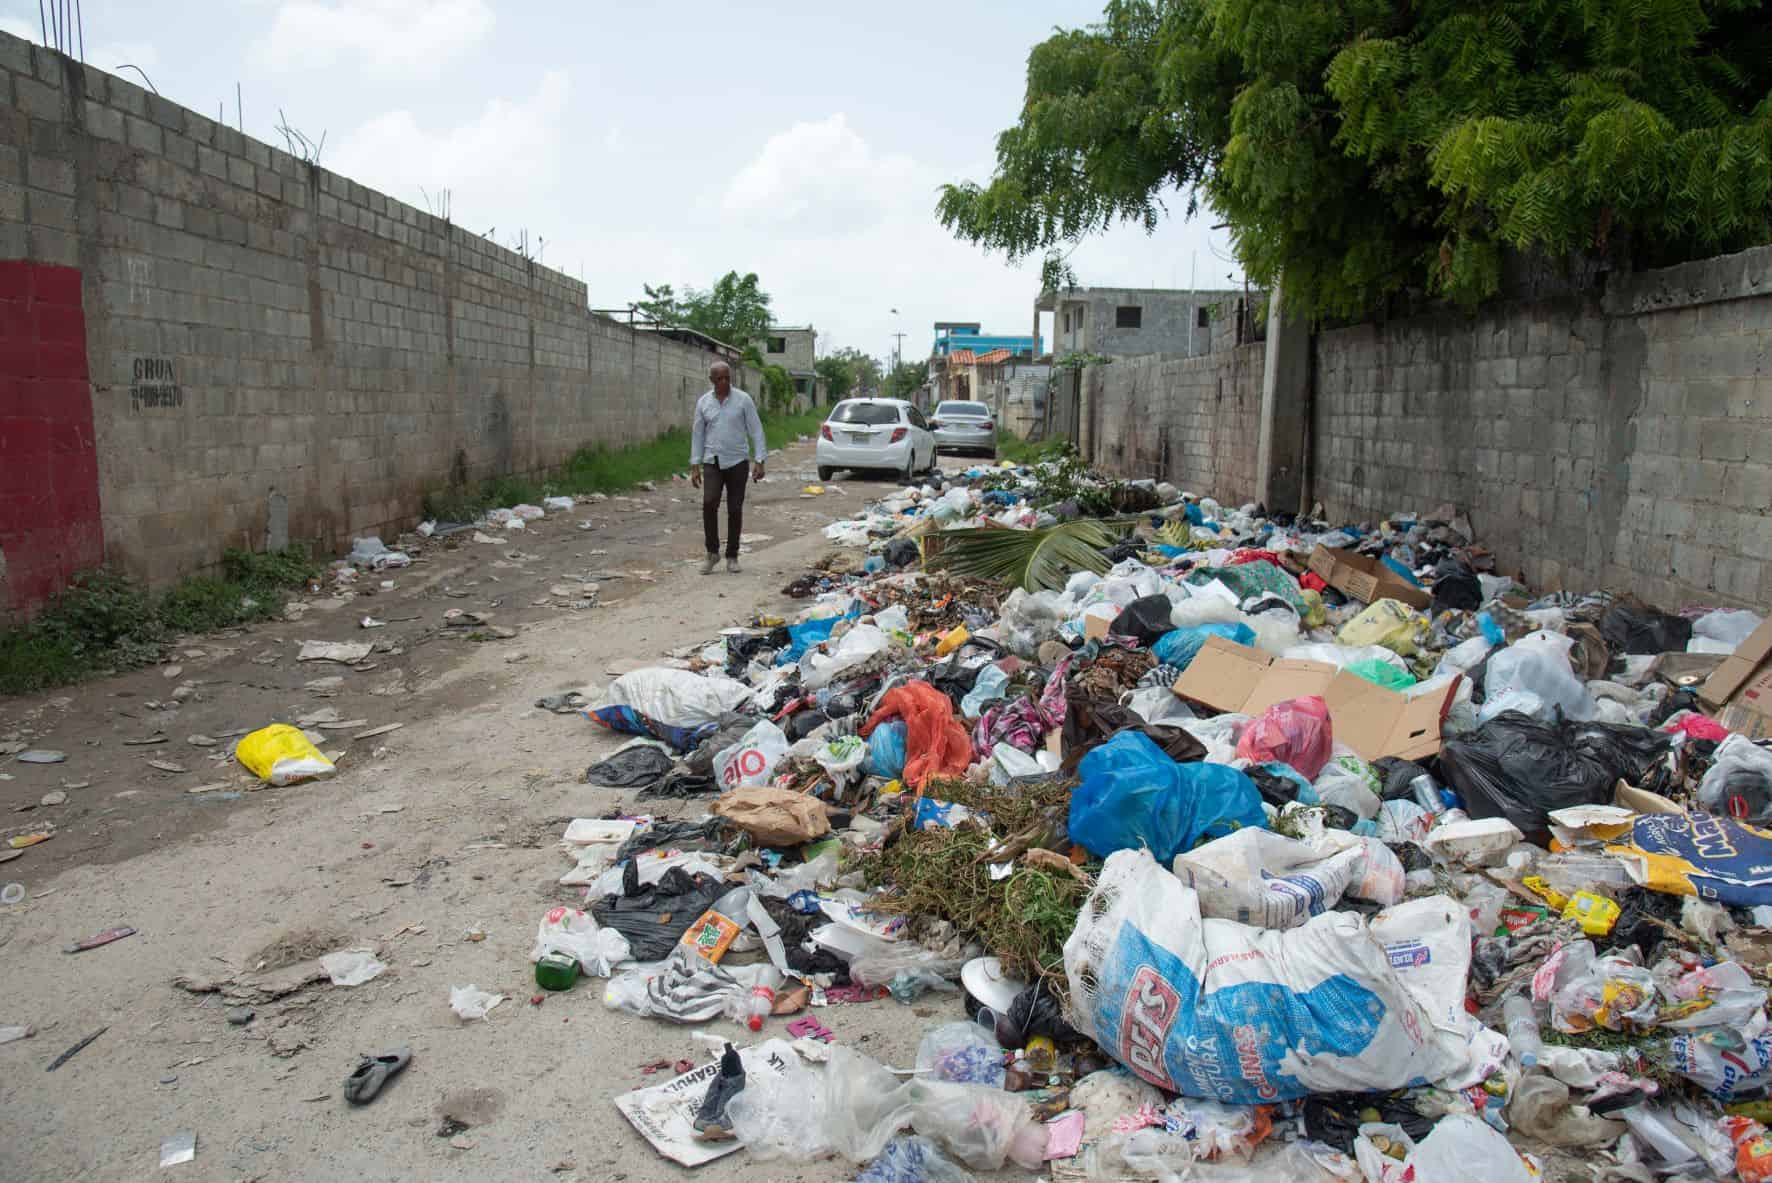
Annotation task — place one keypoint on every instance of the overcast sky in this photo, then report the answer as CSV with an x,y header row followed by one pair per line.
x,y
664,143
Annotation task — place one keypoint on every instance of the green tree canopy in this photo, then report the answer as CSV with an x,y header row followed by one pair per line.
x,y
863,371
906,378
735,310
1364,147
838,376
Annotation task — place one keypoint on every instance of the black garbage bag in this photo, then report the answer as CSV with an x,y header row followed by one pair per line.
x,y
805,956
1413,857
1632,627
1278,791
1629,751
707,834
902,552
630,768
682,784
800,724
1035,1012
1144,619
700,759
1456,586
654,917
1516,767
1643,920
741,648
843,704
1335,1117
953,679
1397,774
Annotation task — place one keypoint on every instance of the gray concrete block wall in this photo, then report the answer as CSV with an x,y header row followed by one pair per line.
x,y
330,344
1622,442
1189,420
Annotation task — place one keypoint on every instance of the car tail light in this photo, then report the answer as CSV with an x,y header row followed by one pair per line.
x,y
897,434
826,432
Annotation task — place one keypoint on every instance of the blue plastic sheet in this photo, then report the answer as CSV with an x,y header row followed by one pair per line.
x,y
1178,647
886,749
1133,795
813,632
1401,570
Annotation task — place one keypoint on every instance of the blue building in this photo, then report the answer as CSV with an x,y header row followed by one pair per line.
x,y
951,335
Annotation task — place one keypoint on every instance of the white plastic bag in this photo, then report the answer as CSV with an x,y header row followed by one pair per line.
x,y
1166,991
1738,762
842,757
679,698
1264,879
858,645
351,967
1720,631
1348,781
751,760
1158,704
1538,663
1462,1147
470,1002
1028,620
574,933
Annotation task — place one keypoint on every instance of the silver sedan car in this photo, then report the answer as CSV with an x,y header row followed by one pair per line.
x,y
964,427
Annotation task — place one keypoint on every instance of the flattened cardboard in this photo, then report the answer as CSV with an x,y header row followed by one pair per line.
x,y
1367,717
1742,686
1365,578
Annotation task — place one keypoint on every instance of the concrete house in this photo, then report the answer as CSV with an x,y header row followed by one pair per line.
x,y
794,350
1129,322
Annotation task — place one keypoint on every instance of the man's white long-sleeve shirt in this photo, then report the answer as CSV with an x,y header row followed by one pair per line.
x,y
724,433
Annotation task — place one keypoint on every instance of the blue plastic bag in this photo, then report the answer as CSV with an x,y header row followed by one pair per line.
x,y
1178,647
1195,515
813,632
1133,795
886,748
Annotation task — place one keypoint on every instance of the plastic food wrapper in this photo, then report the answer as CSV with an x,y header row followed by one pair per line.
x,y
1713,858
1725,1061
1389,623
1133,795
774,817
842,757
1264,879
470,1002
281,755
1480,842
1222,1011
909,1158
572,932
753,758
1296,732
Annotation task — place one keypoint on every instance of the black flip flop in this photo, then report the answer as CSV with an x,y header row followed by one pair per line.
x,y
362,1085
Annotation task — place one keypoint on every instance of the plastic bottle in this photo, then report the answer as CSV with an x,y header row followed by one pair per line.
x,y
1522,1030
761,1002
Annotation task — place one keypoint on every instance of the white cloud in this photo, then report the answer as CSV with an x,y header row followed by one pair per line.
x,y
493,164
822,176
395,38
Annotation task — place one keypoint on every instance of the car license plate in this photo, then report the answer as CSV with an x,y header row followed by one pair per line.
x,y
859,437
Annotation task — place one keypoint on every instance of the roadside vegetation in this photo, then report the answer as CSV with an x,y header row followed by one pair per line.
x,y
107,621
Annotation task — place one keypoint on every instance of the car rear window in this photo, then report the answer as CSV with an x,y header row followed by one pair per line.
x,y
963,410
868,414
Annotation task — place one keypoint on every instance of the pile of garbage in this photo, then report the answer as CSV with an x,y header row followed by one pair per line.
x,y
1250,846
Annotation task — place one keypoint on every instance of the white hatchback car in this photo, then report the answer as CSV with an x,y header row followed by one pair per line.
x,y
886,433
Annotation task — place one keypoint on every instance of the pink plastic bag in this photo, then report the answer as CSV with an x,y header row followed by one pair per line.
x,y
1295,732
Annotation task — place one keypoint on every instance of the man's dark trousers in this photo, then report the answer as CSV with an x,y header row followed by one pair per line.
x,y
714,480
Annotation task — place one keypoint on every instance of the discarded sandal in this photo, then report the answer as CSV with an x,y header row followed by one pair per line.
x,y
362,1085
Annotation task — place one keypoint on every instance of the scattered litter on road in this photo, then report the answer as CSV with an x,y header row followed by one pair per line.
x,y
75,1050
178,1148
40,756
99,939
343,652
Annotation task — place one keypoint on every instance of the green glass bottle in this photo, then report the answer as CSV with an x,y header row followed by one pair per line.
x,y
556,971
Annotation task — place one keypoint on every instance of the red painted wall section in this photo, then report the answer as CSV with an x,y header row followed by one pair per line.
x,y
49,510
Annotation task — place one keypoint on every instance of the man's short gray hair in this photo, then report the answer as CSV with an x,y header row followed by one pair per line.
x,y
719,365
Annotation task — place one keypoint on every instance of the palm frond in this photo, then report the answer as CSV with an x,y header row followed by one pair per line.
x,y
1038,560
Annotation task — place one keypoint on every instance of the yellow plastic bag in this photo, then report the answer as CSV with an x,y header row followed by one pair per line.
x,y
1390,623
281,755
1315,615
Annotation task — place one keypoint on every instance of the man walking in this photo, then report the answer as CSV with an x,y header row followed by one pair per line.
x,y
725,434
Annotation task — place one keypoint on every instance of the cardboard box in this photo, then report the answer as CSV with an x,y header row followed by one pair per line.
x,y
1097,619
1741,688
1367,717
1365,578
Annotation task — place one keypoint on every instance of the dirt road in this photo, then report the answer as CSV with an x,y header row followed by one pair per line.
x,y
428,835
